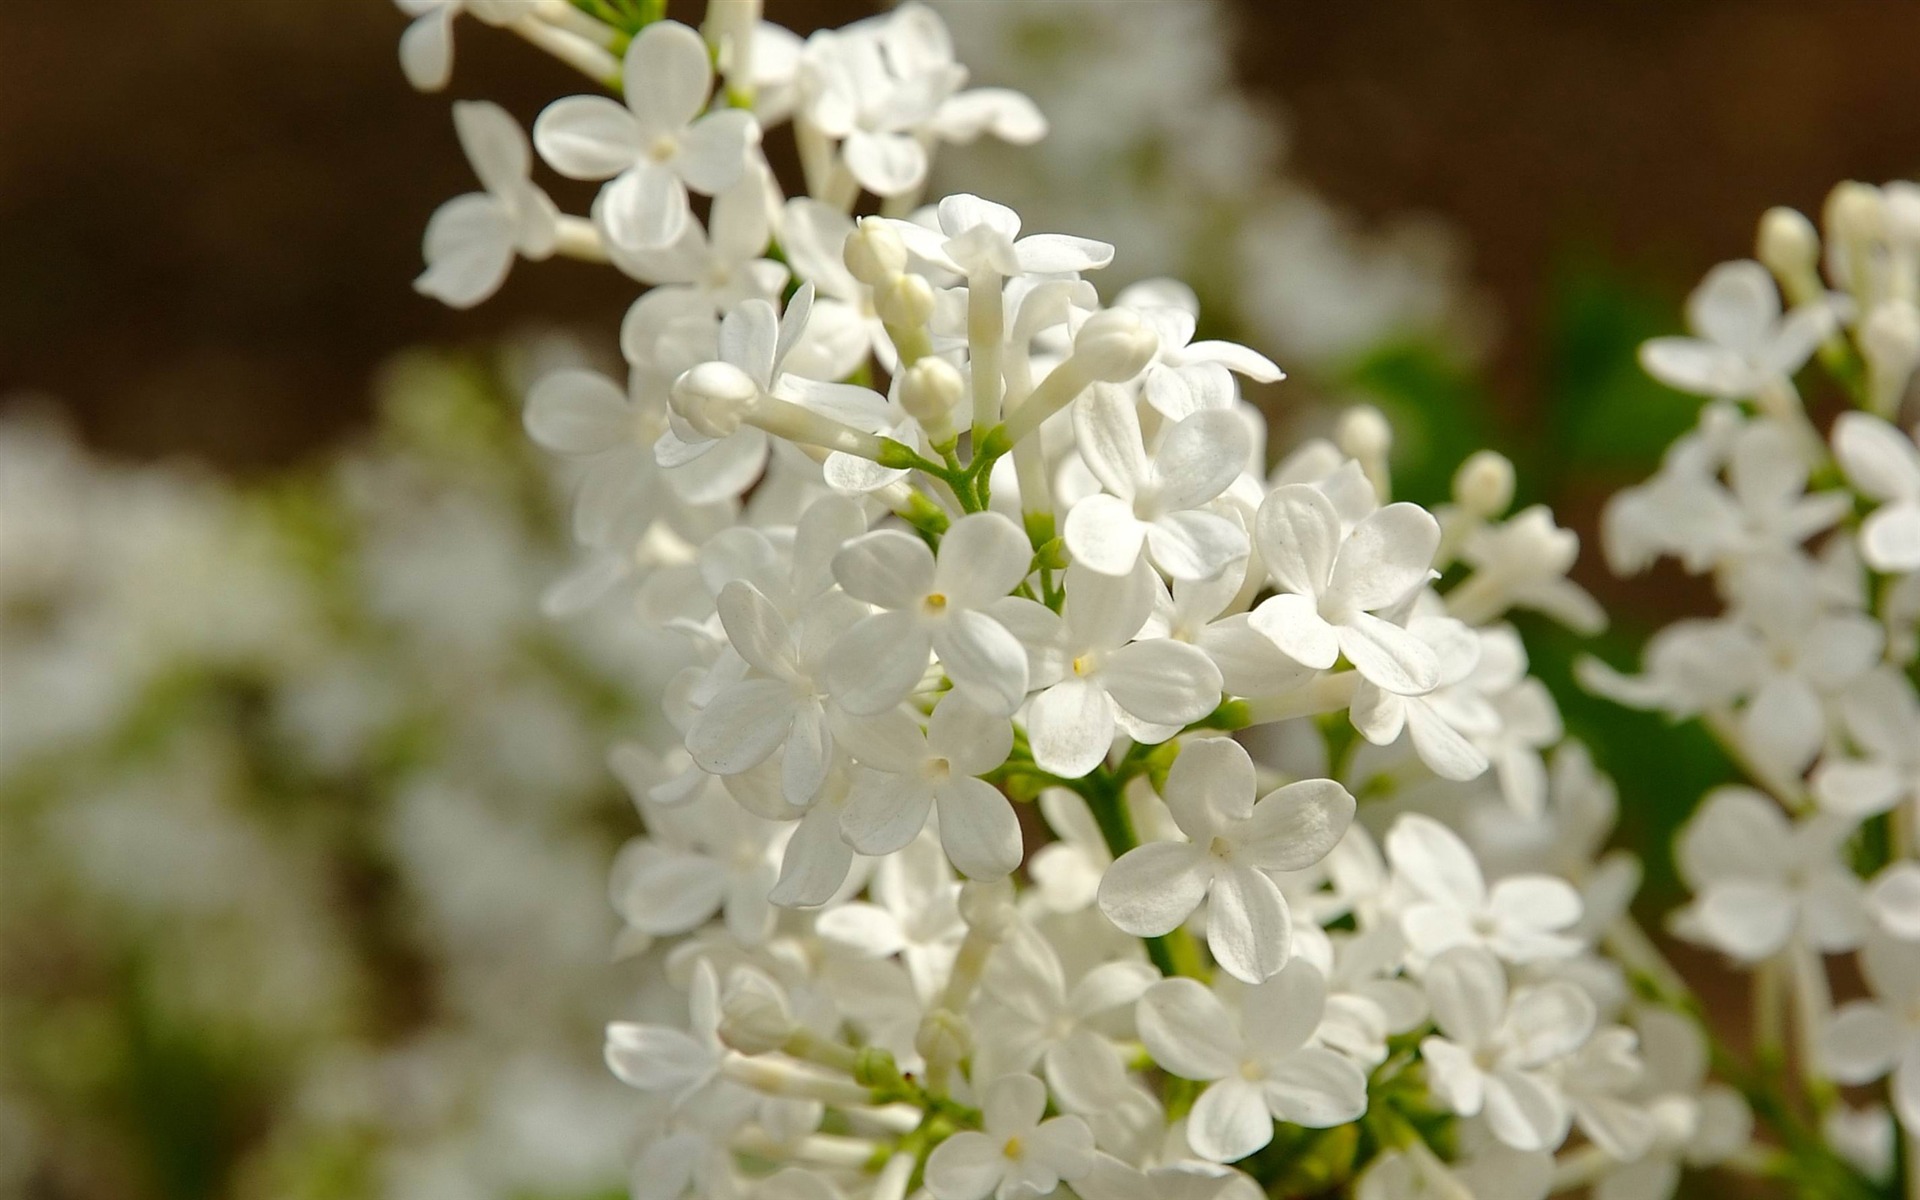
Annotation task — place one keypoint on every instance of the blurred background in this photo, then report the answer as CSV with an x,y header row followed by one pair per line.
x,y
348,934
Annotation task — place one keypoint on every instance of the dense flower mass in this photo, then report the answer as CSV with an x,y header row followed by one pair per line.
x,y
1065,800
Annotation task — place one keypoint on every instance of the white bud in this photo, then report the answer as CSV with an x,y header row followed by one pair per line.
x,y
1890,341
1114,345
1854,210
930,391
904,302
874,252
987,906
1788,244
1484,484
713,397
753,1016
943,1039
1903,212
1363,433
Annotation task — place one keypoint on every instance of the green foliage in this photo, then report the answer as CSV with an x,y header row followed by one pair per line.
x,y
1605,414
1439,408
627,16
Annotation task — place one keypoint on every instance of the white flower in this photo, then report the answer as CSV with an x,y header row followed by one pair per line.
x,y
1095,677
1017,1154
471,240
932,603
1869,1038
1232,843
707,857
1260,1065
1882,719
1332,583
914,913
1491,1047
426,48
656,147
905,771
1449,905
1028,1016
977,236
1745,346
1758,879
781,703
888,88
1695,1123
1882,462
1156,501
1188,376
1440,722
722,262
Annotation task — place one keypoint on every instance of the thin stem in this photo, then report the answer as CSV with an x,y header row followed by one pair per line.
x,y
986,319
1105,793
595,62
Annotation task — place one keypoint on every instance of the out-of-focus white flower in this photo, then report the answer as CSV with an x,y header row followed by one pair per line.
x,y
1760,879
1521,919
1492,1046
1744,345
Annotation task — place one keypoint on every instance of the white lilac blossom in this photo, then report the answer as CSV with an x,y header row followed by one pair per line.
x,y
975,539
1804,676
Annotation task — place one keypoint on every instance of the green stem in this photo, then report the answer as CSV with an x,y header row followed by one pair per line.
x,y
1105,793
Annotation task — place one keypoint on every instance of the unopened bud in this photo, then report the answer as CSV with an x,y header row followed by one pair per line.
x,y
1788,244
1363,433
1890,342
754,1018
874,252
987,906
1903,212
904,302
1854,210
943,1039
713,397
930,391
1484,484
1890,337
1114,345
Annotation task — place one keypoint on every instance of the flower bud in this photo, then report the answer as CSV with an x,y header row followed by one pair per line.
x,y
753,1015
1788,244
1114,345
1891,334
943,1039
1484,484
1890,342
904,302
1903,212
1363,433
1854,210
874,252
987,906
713,397
930,391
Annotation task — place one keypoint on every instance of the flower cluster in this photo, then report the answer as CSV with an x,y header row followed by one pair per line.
x,y
1806,675
1060,797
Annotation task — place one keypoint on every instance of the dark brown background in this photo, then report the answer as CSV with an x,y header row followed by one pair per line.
x,y
210,209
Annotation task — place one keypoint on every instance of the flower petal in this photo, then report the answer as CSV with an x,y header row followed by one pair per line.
x,y
1150,890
